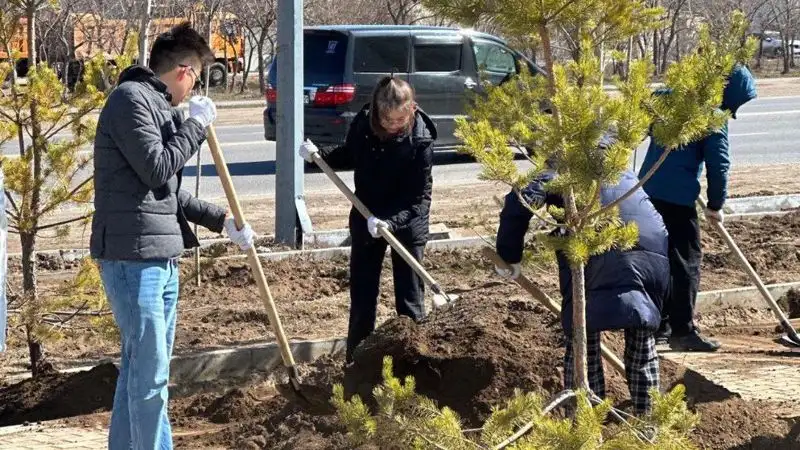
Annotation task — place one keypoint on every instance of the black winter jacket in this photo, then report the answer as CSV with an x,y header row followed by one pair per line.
x,y
392,178
141,146
623,289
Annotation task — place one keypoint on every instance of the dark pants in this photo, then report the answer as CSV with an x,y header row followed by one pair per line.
x,y
641,367
366,261
684,262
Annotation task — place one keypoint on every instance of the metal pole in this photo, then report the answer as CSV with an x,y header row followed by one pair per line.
x,y
291,218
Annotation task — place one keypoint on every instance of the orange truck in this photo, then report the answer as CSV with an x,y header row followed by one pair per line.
x,y
18,47
92,34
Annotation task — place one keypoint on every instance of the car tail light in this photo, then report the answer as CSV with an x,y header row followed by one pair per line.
x,y
271,94
335,95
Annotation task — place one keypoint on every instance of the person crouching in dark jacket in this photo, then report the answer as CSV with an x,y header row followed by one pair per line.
x,y
390,148
624,289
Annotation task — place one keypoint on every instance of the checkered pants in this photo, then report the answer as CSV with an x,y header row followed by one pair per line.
x,y
641,367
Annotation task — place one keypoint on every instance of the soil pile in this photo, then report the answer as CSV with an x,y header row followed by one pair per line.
x,y
472,356
469,356
55,395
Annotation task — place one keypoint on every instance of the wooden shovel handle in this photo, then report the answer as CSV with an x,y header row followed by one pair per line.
x,y
751,273
548,303
252,255
390,238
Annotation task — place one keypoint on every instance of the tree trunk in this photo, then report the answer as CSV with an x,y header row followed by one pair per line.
x,y
251,49
144,32
262,79
29,287
31,13
580,357
629,58
787,48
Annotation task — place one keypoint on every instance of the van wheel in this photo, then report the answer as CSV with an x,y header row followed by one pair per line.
x,y
217,76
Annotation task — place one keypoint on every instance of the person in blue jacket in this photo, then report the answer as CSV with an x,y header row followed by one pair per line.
x,y
624,289
674,189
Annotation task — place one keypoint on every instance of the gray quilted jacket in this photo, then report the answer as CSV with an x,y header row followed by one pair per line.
x,y
141,146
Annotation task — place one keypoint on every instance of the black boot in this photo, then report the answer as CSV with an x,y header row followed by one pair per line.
x,y
693,342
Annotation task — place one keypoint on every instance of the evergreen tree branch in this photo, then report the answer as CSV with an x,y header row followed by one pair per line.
x,y
638,185
64,222
11,201
560,398
55,204
535,212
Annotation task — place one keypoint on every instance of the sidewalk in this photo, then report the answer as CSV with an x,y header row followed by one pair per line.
x,y
52,436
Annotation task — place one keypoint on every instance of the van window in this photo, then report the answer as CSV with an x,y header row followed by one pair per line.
x,y
492,57
437,58
384,54
324,57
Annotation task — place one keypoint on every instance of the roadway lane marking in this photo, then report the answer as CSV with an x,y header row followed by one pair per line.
x,y
768,113
748,134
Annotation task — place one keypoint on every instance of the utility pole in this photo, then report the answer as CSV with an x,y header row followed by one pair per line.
x,y
291,217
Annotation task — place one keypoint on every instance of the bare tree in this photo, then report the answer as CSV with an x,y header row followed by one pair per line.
x,y
336,12
785,16
258,19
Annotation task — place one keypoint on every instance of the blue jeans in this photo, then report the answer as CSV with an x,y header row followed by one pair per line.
x,y
144,300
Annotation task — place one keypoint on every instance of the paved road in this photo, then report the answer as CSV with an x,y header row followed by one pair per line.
x,y
766,132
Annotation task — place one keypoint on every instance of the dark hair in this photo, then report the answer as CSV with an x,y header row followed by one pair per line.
x,y
390,94
177,45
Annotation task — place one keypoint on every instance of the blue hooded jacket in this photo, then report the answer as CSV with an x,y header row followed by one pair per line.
x,y
623,289
677,181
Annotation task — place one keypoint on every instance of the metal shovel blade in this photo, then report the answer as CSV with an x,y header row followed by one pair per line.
x,y
789,341
442,299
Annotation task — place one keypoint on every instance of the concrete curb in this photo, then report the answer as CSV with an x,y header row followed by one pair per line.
x,y
755,215
228,363
239,362
710,301
772,203
330,253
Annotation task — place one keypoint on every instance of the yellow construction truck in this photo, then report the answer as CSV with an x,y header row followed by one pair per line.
x,y
92,34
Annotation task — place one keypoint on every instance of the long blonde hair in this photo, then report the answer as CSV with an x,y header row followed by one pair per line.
x,y
390,94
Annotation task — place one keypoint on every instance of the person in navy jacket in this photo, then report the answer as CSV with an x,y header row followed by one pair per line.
x,y
674,188
624,289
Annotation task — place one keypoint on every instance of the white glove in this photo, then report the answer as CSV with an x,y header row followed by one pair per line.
x,y
513,274
243,238
373,224
308,150
717,216
202,109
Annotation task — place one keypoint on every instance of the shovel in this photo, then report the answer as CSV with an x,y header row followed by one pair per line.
x,y
548,303
440,298
261,280
790,339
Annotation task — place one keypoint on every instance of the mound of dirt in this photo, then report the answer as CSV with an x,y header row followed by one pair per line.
x,y
472,356
56,395
467,357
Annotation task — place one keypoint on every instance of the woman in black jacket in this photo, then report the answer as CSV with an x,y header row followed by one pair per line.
x,y
390,148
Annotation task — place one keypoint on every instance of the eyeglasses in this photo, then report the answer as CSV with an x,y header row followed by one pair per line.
x,y
195,76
